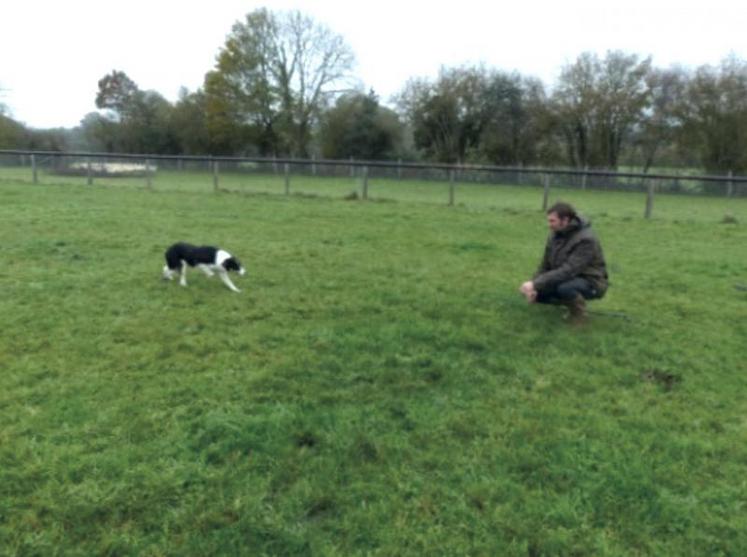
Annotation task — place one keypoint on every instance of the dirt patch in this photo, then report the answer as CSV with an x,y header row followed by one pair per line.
x,y
665,379
305,439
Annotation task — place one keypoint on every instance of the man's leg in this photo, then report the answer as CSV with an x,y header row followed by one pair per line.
x,y
573,288
572,294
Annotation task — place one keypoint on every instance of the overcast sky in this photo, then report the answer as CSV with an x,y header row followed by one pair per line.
x,y
53,52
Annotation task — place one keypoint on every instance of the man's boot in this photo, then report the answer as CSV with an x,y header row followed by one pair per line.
x,y
577,310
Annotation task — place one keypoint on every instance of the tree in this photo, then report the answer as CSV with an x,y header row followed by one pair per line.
x,y
445,115
232,127
713,116
659,126
3,107
151,126
118,94
99,132
472,114
598,103
13,135
139,119
189,123
274,75
514,120
54,139
358,126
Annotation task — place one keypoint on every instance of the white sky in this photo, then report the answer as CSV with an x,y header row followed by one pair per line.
x,y
53,52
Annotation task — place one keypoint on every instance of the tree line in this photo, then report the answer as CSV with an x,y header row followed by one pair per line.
x,y
283,85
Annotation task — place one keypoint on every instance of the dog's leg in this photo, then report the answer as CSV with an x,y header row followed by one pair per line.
x,y
227,281
183,277
205,269
168,274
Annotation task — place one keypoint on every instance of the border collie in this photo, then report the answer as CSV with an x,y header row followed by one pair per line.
x,y
208,259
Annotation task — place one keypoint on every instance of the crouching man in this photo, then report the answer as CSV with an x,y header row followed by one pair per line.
x,y
572,269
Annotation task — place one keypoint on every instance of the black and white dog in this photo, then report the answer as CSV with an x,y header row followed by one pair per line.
x,y
208,259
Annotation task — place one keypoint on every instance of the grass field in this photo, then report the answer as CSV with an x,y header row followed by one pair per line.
x,y
378,388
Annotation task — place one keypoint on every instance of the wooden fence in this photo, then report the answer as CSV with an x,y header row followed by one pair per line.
x,y
92,165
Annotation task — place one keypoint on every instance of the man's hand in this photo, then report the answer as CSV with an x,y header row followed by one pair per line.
x,y
527,289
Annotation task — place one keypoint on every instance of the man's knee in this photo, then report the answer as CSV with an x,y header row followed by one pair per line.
x,y
571,289
567,291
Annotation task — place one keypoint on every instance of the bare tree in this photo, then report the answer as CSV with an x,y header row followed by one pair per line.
x,y
277,72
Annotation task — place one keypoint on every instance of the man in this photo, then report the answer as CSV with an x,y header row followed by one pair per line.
x,y
573,268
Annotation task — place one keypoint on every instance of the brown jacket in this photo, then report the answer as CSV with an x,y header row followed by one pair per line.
x,y
570,253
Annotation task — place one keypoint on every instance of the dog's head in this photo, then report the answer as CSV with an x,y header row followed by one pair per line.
x,y
233,264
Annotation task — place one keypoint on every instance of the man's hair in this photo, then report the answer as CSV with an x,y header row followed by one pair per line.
x,y
563,210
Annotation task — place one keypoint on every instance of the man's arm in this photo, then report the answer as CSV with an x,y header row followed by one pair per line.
x,y
527,288
528,291
579,258
544,265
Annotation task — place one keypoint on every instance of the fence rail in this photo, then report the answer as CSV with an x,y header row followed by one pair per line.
x,y
93,166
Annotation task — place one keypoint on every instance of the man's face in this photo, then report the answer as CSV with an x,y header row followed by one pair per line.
x,y
555,223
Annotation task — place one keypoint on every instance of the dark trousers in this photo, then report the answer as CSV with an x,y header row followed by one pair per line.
x,y
567,291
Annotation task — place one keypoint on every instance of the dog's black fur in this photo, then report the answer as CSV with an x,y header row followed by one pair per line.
x,y
208,258
197,255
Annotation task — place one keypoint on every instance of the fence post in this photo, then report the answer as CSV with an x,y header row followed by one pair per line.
x,y
148,179
365,182
545,190
451,187
352,168
274,163
730,185
313,165
286,172
584,177
89,172
35,178
215,176
649,198
399,169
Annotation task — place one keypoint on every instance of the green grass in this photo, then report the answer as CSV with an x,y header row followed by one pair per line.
x,y
378,388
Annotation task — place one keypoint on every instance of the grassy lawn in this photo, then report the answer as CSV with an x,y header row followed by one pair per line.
x,y
378,388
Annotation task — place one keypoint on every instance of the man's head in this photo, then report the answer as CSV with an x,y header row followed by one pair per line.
x,y
560,215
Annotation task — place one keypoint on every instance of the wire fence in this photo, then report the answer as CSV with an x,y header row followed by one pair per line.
x,y
348,178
